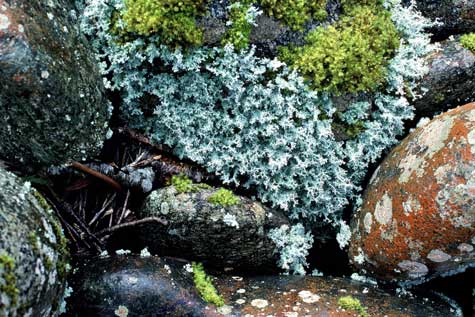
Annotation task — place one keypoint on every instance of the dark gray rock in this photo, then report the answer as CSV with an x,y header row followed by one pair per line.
x,y
32,252
52,101
232,236
450,81
457,16
133,286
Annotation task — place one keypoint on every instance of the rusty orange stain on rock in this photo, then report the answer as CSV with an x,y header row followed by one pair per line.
x,y
420,200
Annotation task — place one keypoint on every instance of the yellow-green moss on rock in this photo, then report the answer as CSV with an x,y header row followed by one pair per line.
x,y
223,197
350,56
468,41
205,287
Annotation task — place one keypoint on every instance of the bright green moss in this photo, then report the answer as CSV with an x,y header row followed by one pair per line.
x,y
63,250
240,30
205,287
183,184
7,271
468,41
172,20
351,303
295,13
350,56
223,197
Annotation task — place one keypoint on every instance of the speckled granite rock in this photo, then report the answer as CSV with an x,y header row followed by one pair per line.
x,y
134,286
52,100
233,236
450,81
32,252
457,16
417,219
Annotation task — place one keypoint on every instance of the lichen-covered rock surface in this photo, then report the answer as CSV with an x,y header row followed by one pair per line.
x,y
417,219
33,252
137,286
201,228
52,100
450,81
456,16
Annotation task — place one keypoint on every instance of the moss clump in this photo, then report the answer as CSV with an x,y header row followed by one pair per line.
x,y
295,13
205,287
351,303
7,270
183,184
63,251
172,20
240,30
223,197
351,56
468,41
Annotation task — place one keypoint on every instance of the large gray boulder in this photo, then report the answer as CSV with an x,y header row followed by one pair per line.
x,y
52,101
450,81
223,236
33,252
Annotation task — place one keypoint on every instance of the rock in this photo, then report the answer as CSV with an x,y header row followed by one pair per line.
x,y
221,236
156,287
52,100
457,16
135,286
417,219
450,81
33,252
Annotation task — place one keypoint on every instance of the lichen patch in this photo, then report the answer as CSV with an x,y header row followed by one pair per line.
x,y
4,21
383,212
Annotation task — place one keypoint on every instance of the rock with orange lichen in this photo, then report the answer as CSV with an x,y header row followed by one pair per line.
x,y
153,286
417,220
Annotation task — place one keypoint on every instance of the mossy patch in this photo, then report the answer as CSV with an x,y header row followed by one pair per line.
x,y
240,30
205,287
174,21
295,13
354,304
7,271
468,41
350,56
183,184
223,197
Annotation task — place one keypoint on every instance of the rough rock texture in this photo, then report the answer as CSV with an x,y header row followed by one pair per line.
x,y
198,229
52,100
457,16
32,252
417,219
134,286
450,81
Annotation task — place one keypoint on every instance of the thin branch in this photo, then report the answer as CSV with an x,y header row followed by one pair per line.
x,y
125,207
96,174
131,224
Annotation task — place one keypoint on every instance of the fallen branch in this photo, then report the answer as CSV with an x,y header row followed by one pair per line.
x,y
131,224
90,171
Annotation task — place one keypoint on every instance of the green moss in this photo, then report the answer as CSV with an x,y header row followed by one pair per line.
x,y
295,13
185,185
205,287
468,41
350,56
172,20
7,270
223,197
63,250
351,303
41,200
240,30
33,239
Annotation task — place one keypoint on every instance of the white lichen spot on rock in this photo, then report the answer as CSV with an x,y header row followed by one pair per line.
x,y
465,247
21,28
44,74
438,256
121,311
50,15
259,303
226,310
411,205
240,301
360,257
241,291
368,222
471,140
4,22
430,140
308,297
383,211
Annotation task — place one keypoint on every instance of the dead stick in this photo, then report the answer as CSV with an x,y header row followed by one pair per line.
x,y
90,171
131,224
